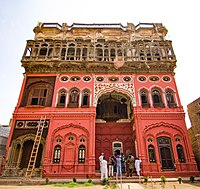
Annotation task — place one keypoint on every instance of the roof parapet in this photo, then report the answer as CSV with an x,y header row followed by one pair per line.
x,y
100,25
48,29
103,25
157,26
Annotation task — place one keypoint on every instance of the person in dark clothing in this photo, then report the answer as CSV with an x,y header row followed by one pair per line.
x,y
111,164
130,165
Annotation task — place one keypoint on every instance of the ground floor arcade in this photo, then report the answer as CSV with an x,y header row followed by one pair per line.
x,y
72,153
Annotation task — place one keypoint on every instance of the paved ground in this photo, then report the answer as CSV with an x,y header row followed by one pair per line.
x,y
134,183
169,185
172,185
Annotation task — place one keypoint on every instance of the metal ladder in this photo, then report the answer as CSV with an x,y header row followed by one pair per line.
x,y
36,145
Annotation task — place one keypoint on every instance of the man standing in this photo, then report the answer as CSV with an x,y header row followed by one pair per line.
x,y
104,169
137,165
123,162
111,164
119,166
130,165
101,159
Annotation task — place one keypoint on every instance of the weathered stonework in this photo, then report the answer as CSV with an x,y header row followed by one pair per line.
x,y
194,131
78,49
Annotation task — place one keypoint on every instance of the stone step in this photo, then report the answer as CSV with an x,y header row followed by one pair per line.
x,y
124,179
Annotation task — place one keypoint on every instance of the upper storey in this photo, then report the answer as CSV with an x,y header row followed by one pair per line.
x,y
99,48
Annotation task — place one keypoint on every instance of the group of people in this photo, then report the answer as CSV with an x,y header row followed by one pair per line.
x,y
119,164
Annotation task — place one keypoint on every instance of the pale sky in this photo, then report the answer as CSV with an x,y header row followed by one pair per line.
x,y
19,17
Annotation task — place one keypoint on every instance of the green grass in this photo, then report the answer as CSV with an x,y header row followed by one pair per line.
x,y
73,184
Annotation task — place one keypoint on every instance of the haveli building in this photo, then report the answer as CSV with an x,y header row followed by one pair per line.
x,y
93,88
4,133
194,130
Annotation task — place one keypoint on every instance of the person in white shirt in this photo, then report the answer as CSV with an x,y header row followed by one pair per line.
x,y
137,165
101,159
104,169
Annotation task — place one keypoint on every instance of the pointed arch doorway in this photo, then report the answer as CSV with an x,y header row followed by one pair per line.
x,y
166,154
19,156
114,126
117,147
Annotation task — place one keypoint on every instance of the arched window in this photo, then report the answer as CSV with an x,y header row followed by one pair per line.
x,y
148,53
180,152
81,154
156,54
141,54
61,98
99,52
56,155
71,52
43,50
50,53
63,52
170,99
157,99
106,55
112,54
152,155
28,51
74,98
144,99
39,94
84,53
78,53
86,98
119,53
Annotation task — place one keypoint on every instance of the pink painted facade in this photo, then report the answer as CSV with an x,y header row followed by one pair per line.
x,y
99,93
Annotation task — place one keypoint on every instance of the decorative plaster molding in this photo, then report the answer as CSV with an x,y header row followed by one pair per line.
x,y
72,126
125,88
23,138
160,125
159,115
